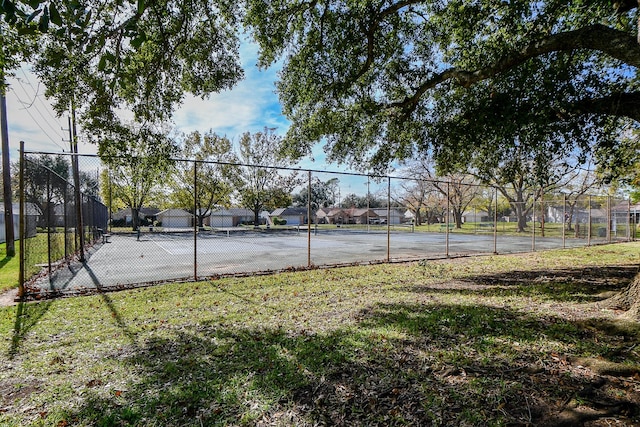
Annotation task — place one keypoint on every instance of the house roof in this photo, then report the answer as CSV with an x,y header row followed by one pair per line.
x,y
289,211
361,212
383,212
143,212
232,212
331,212
174,213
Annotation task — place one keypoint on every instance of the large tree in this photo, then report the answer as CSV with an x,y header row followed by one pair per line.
x,y
386,80
97,57
414,75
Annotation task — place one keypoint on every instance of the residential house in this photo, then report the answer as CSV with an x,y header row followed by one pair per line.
x,y
395,216
145,215
476,215
332,216
361,216
293,216
231,217
175,218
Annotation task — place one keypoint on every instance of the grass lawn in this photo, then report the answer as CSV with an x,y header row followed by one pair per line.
x,y
9,268
503,340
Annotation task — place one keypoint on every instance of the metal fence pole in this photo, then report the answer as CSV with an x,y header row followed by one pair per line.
x,y
446,226
195,220
309,221
628,220
368,204
564,221
388,219
589,225
609,220
48,217
533,226
495,224
21,274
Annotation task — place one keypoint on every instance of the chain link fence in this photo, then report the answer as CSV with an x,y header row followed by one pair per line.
x,y
97,225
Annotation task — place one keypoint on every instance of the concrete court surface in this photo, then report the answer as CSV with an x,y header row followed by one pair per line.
x,y
125,260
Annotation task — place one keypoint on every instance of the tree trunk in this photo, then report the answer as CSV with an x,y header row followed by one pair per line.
x,y
135,223
627,300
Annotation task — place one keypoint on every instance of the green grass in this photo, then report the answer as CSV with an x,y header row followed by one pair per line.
x,y
9,268
37,248
473,341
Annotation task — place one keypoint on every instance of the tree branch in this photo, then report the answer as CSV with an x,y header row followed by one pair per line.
x,y
625,104
375,24
617,44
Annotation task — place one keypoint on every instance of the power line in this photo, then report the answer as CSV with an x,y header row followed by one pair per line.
x,y
35,121
47,108
31,105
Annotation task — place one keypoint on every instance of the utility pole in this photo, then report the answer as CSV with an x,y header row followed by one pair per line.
x,y
6,174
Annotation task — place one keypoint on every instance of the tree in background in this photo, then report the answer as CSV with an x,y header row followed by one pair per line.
x,y
263,185
323,194
215,174
460,189
46,183
138,162
367,201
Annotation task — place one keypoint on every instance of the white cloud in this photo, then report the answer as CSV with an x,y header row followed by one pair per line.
x,y
30,117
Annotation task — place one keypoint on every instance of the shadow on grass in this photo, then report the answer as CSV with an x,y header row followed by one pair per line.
x,y
401,364
4,261
564,285
27,316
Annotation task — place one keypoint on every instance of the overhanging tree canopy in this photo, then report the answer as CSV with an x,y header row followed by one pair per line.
x,y
137,55
384,80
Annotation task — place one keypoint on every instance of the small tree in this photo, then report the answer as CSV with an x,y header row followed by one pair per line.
x,y
263,185
323,194
138,160
215,174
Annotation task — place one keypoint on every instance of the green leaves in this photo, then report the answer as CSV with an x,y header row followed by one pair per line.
x,y
387,82
106,56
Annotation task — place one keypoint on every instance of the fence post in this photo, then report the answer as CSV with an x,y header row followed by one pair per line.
x,y
533,226
388,219
309,220
446,225
23,227
609,220
564,221
628,220
589,225
49,221
76,183
495,223
195,220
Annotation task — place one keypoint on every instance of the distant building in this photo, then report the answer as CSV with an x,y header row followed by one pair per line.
x,y
231,217
293,216
33,214
175,218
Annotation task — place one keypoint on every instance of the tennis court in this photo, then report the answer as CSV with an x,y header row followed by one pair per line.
x,y
130,259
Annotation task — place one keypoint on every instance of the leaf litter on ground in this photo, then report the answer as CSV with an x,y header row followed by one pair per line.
x,y
498,340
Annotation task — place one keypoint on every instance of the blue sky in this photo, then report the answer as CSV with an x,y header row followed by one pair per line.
x,y
250,106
